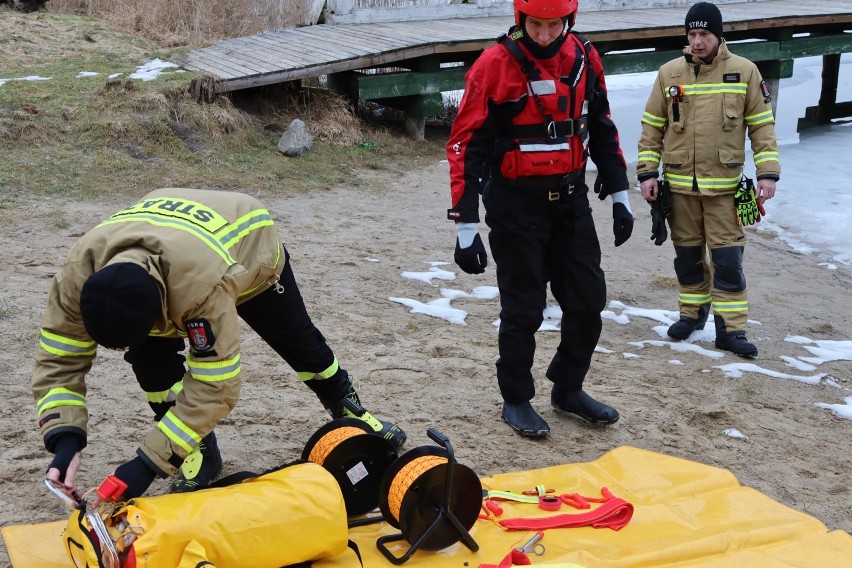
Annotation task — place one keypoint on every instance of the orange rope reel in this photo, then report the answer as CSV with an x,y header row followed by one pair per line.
x,y
356,457
433,500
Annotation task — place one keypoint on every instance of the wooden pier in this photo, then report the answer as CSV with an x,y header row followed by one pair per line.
x,y
408,64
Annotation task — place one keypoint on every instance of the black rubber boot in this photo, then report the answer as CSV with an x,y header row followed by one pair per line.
x,y
733,341
580,403
684,327
524,420
353,409
200,468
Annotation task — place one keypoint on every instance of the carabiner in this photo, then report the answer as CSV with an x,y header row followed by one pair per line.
x,y
532,546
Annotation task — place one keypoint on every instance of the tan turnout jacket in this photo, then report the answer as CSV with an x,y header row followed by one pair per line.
x,y
208,251
705,136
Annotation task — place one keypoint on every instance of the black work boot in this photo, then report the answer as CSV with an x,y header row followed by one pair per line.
x,y
733,341
580,403
684,327
200,468
350,407
524,420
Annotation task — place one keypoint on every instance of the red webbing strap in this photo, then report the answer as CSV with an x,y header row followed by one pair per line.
x,y
514,558
615,513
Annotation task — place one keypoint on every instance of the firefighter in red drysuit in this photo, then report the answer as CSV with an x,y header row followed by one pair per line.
x,y
534,110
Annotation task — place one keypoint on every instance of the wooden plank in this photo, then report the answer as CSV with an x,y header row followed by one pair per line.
x,y
241,55
210,61
238,60
314,50
260,48
332,37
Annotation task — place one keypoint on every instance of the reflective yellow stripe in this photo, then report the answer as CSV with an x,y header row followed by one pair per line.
x,y
60,397
698,299
649,156
714,89
178,432
704,183
65,346
730,307
157,397
166,395
214,371
187,210
170,330
654,120
768,156
231,235
759,118
160,221
328,372
509,496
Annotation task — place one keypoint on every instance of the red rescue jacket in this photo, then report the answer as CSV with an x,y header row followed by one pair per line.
x,y
531,125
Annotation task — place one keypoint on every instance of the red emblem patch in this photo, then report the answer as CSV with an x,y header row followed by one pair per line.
x,y
200,335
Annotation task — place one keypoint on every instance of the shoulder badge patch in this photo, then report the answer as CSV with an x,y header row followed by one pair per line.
x,y
731,78
764,89
200,335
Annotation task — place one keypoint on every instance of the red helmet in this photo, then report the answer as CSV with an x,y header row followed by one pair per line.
x,y
546,9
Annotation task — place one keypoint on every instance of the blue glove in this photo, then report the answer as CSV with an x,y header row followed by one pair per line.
x,y
470,253
622,217
138,476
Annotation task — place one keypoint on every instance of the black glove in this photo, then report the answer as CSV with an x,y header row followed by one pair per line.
x,y
622,223
659,233
661,208
138,476
472,259
64,450
600,189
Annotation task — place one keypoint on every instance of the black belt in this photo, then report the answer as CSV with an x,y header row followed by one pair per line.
x,y
568,183
553,129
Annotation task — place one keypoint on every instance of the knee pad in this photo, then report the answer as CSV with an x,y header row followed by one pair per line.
x,y
688,265
728,273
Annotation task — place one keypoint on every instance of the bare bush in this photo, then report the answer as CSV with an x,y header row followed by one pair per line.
x,y
188,22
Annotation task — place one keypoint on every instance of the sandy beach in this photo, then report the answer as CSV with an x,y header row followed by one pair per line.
x,y
349,248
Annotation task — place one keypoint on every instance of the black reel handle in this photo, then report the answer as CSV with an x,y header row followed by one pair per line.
x,y
441,439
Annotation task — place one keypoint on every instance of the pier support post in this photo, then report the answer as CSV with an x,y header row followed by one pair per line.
x,y
828,95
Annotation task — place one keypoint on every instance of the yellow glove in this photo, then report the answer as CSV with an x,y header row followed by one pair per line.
x,y
748,212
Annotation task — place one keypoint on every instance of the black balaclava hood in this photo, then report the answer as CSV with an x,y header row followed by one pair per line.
x,y
536,50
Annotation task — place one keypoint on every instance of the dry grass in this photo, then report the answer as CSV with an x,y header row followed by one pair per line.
x,y
188,22
85,137
664,281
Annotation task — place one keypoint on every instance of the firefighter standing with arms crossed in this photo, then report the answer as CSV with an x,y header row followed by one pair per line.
x,y
695,123
534,109
180,263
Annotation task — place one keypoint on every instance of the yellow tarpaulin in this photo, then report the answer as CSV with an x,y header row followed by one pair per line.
x,y
685,514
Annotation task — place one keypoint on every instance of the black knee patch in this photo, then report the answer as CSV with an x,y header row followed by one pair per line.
x,y
688,266
728,273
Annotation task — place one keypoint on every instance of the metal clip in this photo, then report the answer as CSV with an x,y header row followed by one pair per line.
x,y
553,195
532,546
275,281
62,496
551,130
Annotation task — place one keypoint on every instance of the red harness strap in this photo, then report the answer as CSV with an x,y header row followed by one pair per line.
x,y
614,513
514,558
